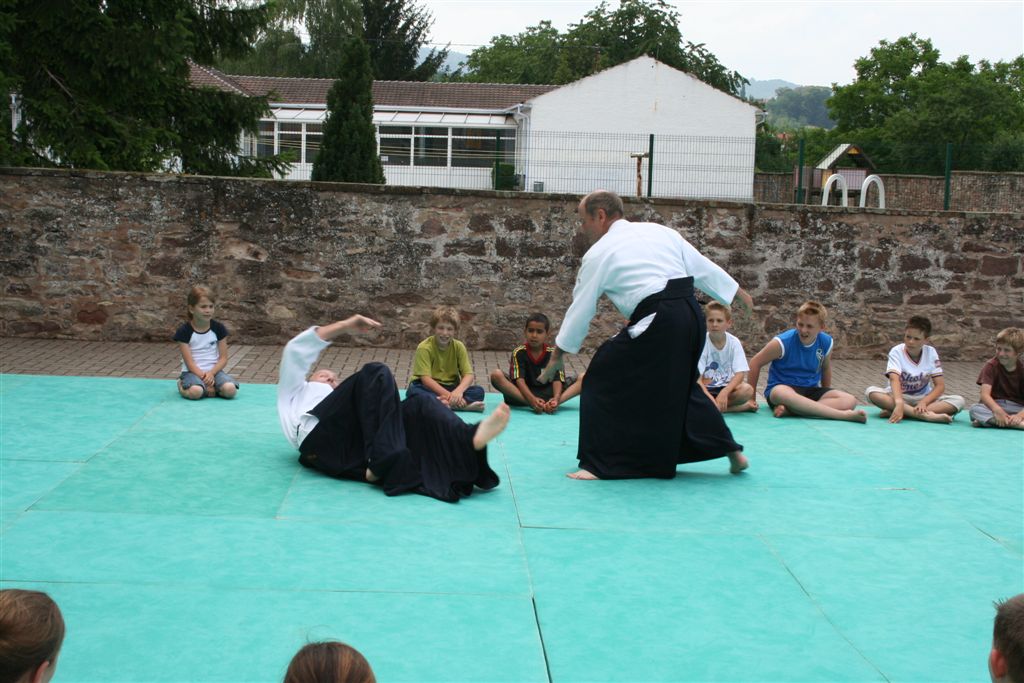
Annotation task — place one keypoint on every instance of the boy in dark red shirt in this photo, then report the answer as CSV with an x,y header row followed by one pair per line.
x,y
1002,384
519,385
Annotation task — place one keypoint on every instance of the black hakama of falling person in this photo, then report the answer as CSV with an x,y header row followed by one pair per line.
x,y
417,445
641,411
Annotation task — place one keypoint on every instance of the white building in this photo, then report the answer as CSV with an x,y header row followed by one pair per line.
x,y
571,138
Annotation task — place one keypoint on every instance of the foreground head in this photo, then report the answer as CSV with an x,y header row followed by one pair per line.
x,y
201,300
1006,660
31,631
325,376
919,329
717,316
537,327
597,211
810,320
329,662
1009,345
444,322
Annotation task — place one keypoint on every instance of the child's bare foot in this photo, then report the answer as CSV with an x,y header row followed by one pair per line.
x,y
856,416
582,474
976,423
780,411
750,406
938,417
474,407
491,426
885,413
737,462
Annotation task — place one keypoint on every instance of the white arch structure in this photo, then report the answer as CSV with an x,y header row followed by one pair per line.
x,y
864,191
835,177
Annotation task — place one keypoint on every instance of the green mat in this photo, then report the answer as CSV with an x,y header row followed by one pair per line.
x,y
183,542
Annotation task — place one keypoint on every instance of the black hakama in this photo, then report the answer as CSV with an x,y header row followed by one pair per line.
x,y
411,446
641,411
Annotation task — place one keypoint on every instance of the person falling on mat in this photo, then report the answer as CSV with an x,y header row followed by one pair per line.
x,y
359,428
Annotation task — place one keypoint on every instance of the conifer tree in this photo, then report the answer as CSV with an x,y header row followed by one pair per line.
x,y
348,152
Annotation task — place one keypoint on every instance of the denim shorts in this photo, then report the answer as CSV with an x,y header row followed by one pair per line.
x,y
189,379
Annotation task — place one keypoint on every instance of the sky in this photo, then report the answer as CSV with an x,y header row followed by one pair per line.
x,y
807,43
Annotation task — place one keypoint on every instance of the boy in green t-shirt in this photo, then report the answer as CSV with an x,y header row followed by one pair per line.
x,y
441,365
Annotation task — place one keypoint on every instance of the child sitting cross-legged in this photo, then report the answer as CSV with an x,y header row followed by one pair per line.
x,y
723,365
519,385
1002,384
916,387
441,365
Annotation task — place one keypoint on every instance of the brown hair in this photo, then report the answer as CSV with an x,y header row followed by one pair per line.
x,y
919,322
1008,635
445,314
716,306
1012,336
603,199
197,293
31,631
329,662
813,308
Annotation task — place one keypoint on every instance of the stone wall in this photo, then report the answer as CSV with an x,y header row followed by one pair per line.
x,y
968,191
90,255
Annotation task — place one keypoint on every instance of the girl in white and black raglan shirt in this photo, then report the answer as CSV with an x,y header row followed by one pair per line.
x,y
204,350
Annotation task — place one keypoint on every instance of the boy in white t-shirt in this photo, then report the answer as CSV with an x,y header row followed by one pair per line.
x,y
722,365
916,387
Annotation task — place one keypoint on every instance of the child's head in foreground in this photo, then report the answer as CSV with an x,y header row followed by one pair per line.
x,y
1006,660
537,327
31,632
329,662
810,320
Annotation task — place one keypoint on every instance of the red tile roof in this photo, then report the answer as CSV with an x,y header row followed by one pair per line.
x,y
385,93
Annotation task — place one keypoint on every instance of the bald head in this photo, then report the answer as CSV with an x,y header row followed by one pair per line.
x,y
610,202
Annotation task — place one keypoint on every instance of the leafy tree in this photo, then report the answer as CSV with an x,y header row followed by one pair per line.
x,y
106,85
394,30
603,38
348,152
7,81
793,108
905,105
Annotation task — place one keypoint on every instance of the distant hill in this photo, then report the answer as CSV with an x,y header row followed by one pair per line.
x,y
452,63
765,90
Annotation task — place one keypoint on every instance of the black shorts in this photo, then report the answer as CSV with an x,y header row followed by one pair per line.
x,y
813,393
714,391
546,391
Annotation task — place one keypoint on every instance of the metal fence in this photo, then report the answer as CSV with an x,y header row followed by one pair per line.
x,y
652,165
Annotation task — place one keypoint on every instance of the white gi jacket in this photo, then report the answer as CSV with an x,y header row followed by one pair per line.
x,y
629,263
296,396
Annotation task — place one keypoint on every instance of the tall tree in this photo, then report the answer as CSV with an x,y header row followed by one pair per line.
x,y
905,105
394,31
348,152
793,108
603,38
106,85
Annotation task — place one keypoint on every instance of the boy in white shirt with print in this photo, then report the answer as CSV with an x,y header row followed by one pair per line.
x,y
916,387
723,365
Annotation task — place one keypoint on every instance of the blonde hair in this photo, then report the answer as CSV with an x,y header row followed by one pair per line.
x,y
813,308
1012,336
716,306
445,314
195,294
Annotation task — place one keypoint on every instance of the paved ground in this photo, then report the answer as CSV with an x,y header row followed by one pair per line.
x,y
258,364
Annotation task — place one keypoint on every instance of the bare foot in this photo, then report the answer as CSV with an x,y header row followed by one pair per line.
x,y
976,423
738,462
857,416
885,413
582,474
370,476
938,417
491,426
780,411
474,407
750,406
